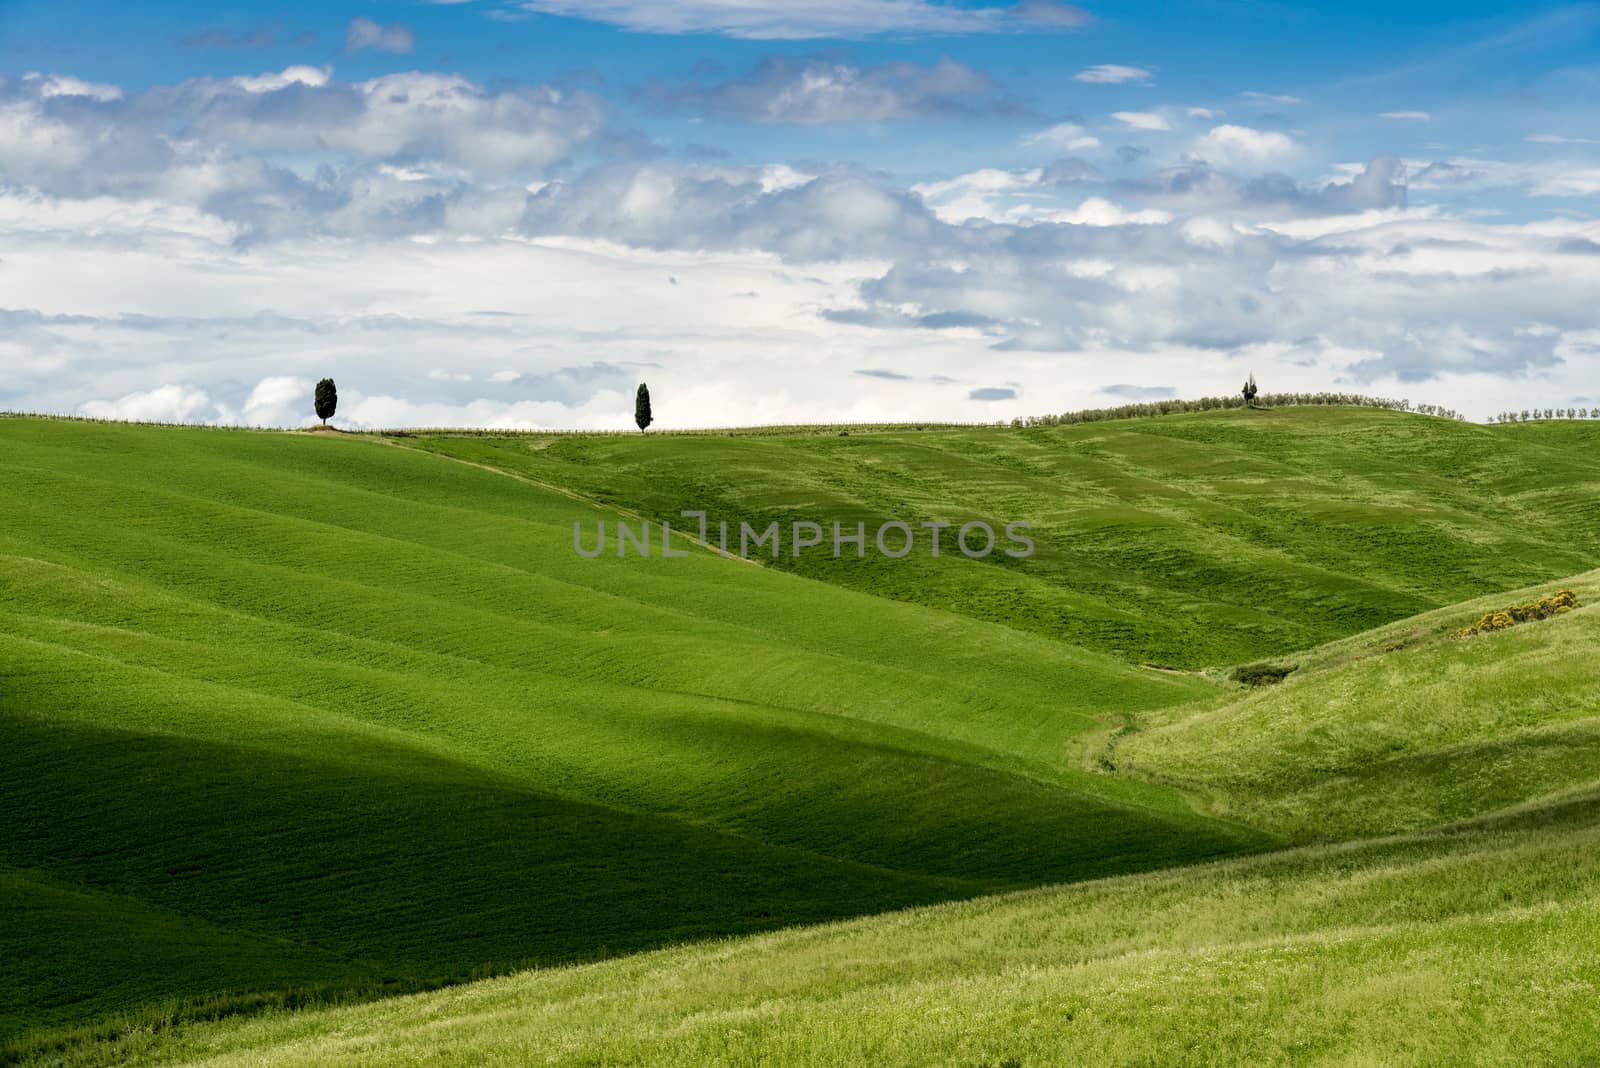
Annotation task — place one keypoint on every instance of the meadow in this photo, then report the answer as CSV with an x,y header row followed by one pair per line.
x,y
301,720
1464,946
1184,541
305,712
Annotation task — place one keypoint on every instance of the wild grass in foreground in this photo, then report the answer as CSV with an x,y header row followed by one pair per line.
x,y
1471,946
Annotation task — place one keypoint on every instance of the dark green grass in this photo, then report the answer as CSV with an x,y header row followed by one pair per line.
x,y
1186,541
215,868
299,712
1466,946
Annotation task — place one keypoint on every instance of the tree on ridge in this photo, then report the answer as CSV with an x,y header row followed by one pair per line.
x,y
327,400
641,407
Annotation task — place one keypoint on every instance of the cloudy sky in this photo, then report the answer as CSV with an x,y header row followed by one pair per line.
x,y
510,212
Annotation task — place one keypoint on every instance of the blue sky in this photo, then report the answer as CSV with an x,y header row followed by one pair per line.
x,y
508,213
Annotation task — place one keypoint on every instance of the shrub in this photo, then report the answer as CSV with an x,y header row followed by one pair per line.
x,y
1544,608
1261,674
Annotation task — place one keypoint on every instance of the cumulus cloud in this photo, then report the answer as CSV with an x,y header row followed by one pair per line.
x,y
164,404
1243,146
1112,74
396,154
272,81
820,89
361,34
1558,177
454,255
279,400
658,205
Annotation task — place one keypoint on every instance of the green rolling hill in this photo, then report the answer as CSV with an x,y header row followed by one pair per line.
x,y
295,719
1466,946
1185,541
364,714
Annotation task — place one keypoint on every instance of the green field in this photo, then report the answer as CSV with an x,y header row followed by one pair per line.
x,y
304,718
1473,946
1184,541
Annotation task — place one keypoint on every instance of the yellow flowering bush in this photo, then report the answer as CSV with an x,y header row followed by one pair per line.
x,y
1543,608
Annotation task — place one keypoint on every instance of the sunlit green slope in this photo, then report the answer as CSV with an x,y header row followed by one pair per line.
x,y
1185,540
314,712
1472,943
1405,727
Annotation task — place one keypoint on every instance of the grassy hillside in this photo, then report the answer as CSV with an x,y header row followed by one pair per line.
x,y
1464,947
1405,728
316,712
1185,541
1467,944
295,718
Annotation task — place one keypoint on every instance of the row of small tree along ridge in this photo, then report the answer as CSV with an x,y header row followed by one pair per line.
x,y
1238,400
1527,416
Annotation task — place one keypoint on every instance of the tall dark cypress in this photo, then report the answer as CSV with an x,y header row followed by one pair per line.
x,y
327,400
641,407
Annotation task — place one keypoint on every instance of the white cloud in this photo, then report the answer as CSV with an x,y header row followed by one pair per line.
x,y
65,85
1162,301
279,400
1555,139
1412,116
1112,74
779,176
1141,120
444,275
414,114
1230,145
1577,182
1272,98
1203,113
823,89
299,74
781,20
295,150
1097,211
362,33
164,404
1064,137
977,195
1540,178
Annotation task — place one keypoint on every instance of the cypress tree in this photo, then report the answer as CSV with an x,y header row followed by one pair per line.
x,y
327,399
641,407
